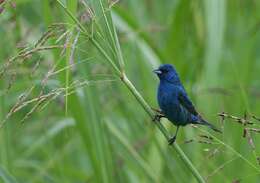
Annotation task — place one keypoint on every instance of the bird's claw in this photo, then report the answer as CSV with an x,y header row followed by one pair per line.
x,y
157,117
159,114
157,110
172,140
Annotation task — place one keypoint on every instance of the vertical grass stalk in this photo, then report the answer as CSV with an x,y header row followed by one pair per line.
x,y
136,94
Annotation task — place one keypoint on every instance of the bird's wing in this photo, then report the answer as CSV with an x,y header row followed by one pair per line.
x,y
186,102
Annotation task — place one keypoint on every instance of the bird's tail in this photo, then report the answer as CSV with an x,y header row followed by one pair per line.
x,y
204,122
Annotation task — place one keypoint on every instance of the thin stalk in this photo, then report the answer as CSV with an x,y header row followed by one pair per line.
x,y
103,52
114,37
90,37
81,27
138,97
148,109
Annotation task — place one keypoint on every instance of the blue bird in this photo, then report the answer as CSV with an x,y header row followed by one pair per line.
x,y
174,102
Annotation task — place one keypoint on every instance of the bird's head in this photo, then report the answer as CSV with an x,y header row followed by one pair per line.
x,y
167,72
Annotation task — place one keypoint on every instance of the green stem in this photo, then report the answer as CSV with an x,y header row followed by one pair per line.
x,y
151,113
138,97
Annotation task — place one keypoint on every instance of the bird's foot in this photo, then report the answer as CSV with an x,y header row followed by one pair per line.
x,y
172,140
157,117
157,110
159,114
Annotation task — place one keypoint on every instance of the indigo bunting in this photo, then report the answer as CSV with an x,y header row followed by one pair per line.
x,y
174,102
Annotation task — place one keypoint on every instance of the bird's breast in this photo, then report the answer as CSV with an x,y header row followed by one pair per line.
x,y
169,104
167,97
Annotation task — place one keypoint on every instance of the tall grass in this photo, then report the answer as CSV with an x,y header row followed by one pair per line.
x,y
78,112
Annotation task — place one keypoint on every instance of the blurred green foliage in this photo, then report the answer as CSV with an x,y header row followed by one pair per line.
x,y
66,117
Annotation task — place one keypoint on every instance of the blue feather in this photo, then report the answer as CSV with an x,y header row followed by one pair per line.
x,y
174,101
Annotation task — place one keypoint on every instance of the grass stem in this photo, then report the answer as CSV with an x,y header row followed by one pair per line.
x,y
137,95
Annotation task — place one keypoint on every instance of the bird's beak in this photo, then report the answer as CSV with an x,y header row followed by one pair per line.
x,y
157,71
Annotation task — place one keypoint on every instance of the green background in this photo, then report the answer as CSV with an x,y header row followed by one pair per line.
x,y
89,127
